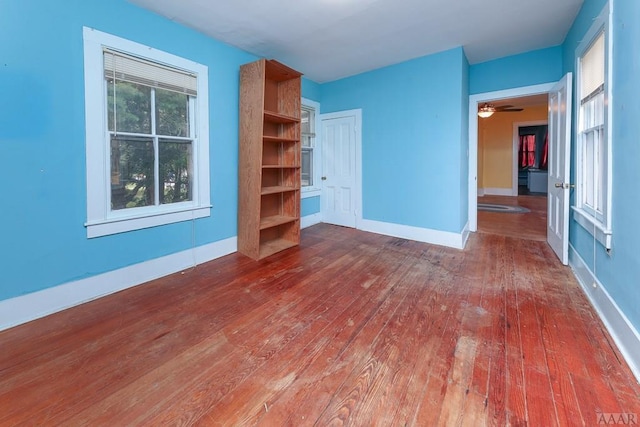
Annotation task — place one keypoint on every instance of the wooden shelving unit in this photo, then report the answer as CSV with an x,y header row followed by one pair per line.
x,y
269,159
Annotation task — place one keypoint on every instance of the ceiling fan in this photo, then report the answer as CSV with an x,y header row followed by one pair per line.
x,y
487,110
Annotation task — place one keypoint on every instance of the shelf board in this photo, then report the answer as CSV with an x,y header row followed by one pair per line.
x,y
273,117
279,72
277,189
279,167
274,221
278,139
272,246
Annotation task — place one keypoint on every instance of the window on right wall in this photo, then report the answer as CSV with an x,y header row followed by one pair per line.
x,y
593,139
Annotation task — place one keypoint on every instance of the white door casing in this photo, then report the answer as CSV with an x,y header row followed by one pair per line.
x,y
340,199
559,164
474,101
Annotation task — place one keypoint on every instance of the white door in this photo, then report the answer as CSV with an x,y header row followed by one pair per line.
x,y
559,158
339,183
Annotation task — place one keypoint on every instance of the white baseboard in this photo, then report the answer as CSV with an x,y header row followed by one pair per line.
x,y
466,232
436,237
309,220
498,192
22,309
480,192
620,328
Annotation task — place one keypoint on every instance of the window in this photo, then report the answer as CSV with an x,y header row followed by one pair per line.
x,y
593,162
310,155
307,128
146,136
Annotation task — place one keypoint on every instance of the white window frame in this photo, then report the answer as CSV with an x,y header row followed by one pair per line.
x,y
596,223
101,219
315,189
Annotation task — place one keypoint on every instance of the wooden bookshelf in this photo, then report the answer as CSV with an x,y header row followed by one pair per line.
x,y
269,159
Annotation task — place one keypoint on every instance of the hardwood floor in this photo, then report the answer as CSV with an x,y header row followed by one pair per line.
x,y
350,328
531,225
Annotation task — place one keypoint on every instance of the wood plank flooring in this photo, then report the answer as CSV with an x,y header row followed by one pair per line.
x,y
351,328
531,225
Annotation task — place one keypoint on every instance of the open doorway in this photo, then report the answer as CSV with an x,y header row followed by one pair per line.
x,y
532,157
495,161
512,168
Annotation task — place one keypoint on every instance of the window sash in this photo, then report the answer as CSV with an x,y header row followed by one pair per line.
x,y
307,121
593,153
306,172
158,185
592,110
308,144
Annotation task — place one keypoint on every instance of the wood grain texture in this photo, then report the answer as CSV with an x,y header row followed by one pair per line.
x,y
531,225
269,158
253,86
349,328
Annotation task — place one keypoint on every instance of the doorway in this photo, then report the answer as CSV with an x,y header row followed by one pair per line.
x,y
474,101
512,168
531,148
560,103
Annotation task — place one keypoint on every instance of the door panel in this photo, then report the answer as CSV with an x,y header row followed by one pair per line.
x,y
559,158
339,171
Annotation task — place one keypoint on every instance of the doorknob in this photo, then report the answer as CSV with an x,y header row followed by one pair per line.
x,y
564,185
324,178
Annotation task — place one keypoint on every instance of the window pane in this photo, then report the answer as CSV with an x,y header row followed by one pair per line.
x,y
588,170
176,171
132,172
600,168
592,112
305,121
307,167
172,113
306,141
129,107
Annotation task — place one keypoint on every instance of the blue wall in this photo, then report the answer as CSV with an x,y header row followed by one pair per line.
x,y
310,206
311,90
42,141
619,272
413,138
464,144
590,9
525,69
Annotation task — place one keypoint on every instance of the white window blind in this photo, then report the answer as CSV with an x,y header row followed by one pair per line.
x,y
592,68
120,66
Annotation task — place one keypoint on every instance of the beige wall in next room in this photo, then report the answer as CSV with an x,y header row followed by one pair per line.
x,y
495,145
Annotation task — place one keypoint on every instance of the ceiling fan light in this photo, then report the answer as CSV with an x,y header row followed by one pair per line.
x,y
485,113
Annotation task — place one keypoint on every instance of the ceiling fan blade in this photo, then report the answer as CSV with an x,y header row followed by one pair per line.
x,y
509,110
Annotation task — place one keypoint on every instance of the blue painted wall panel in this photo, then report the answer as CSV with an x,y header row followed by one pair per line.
x,y
310,206
42,131
464,148
590,9
619,272
412,138
311,90
525,69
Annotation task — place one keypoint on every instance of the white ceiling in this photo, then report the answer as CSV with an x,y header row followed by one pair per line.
x,y
330,39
